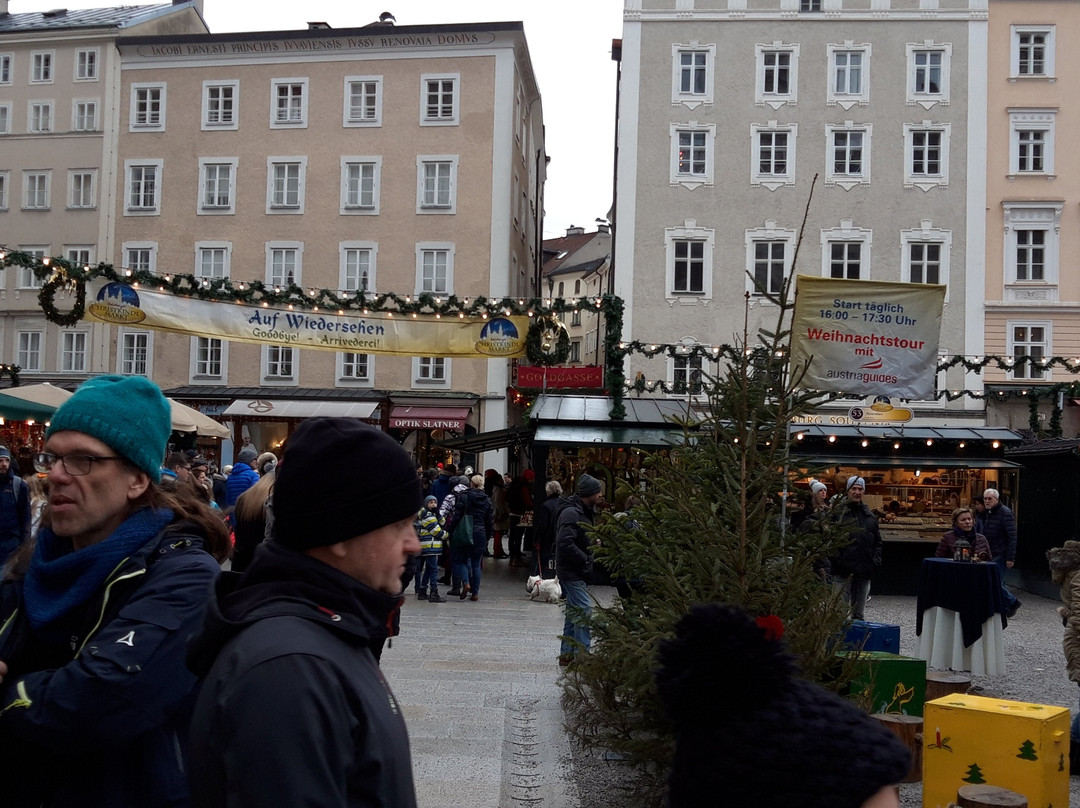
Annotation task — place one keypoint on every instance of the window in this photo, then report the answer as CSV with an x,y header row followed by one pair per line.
x,y
928,73
773,160
849,79
692,74
689,267
140,256
285,179
73,352
434,268
769,253
575,317
1031,249
213,259
809,5
1031,340
41,67
288,103
437,183
926,155
357,273
219,104
431,371
440,99
28,346
5,68
1032,52
133,353
926,254
360,179
692,154
26,278
845,252
924,262
39,118
147,107
689,261
5,181
143,182
81,185
86,65
79,255
1031,147
217,182
84,116
354,367
777,74
278,363
848,160
575,351
363,101
686,375
5,119
36,190
209,358
283,262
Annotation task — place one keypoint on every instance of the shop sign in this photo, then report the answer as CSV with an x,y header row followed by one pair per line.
x,y
880,411
560,377
455,424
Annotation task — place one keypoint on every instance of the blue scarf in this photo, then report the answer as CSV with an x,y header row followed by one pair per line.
x,y
59,580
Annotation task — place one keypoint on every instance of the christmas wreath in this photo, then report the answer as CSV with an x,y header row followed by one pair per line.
x,y
547,342
48,293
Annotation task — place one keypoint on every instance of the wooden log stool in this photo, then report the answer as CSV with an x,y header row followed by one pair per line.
x,y
987,796
945,683
909,729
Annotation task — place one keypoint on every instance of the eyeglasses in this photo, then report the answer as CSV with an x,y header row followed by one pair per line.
x,y
74,464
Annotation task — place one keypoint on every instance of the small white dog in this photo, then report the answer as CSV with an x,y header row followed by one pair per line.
x,y
547,589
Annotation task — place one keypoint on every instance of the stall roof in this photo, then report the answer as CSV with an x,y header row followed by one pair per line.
x,y
915,432
607,435
904,461
490,441
595,409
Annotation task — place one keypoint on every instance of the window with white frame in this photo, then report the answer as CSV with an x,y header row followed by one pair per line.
x,y
777,74
142,179
926,252
41,67
81,255
140,256
288,103
692,154
81,187
360,180
689,261
147,107
1032,231
436,178
686,375
849,74
84,115
1032,52
431,371
133,351
575,351
213,259
848,158
773,160
5,68
284,262
769,253
363,101
29,346
575,317
845,252
279,363
1031,141
5,118
434,268
26,279
217,185
73,351
5,182
1029,339
36,190
285,181
440,99
926,155
39,118
220,100
357,270
692,66
86,64
809,5
354,367
208,358
929,66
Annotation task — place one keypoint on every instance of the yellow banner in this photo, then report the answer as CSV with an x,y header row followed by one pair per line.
x,y
866,337
375,333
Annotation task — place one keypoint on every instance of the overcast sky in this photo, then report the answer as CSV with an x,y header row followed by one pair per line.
x,y
570,45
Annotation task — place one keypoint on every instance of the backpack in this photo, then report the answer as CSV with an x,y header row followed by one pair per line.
x,y
461,537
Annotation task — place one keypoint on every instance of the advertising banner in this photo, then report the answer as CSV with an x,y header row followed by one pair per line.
x,y
585,376
375,333
866,337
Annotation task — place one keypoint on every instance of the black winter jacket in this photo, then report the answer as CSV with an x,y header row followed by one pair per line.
x,y
573,547
863,554
999,527
482,512
294,709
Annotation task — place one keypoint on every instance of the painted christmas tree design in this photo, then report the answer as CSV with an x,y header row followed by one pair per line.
x,y
1027,751
1061,763
974,774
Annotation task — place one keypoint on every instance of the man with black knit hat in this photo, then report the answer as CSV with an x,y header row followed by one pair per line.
x,y
94,696
574,564
853,565
293,709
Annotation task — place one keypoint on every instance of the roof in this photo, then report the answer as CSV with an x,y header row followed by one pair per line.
x,y
1059,446
62,19
212,392
584,269
565,247
891,432
593,410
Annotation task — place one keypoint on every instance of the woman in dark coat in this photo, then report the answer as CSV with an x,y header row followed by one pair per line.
x,y
468,564
963,523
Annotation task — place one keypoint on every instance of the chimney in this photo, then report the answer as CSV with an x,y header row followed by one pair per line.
x,y
3,7
574,230
603,227
318,26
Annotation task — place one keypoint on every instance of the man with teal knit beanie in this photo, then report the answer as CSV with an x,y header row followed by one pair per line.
x,y
95,614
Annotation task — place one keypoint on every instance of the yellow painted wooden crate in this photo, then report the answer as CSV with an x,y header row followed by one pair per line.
x,y
1019,746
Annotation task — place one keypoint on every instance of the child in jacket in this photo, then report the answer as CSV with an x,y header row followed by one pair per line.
x,y
432,536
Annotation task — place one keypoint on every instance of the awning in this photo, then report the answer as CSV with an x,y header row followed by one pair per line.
x,y
412,417
489,441
297,408
14,409
877,461
188,419
894,432
576,434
